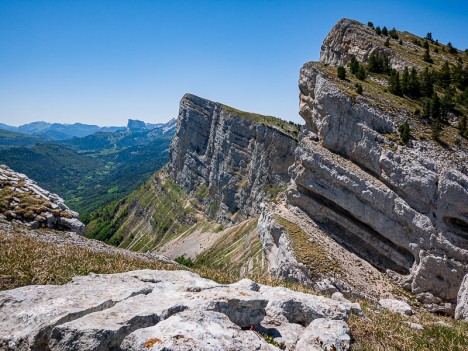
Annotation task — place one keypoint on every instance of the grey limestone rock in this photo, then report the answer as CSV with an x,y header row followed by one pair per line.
x,y
325,334
397,306
461,312
228,155
349,37
401,208
163,310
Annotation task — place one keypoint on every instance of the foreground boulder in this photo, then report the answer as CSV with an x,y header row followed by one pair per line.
x,y
22,200
167,310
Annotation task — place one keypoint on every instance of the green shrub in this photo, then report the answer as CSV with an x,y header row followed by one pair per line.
x,y
341,72
358,88
187,262
405,132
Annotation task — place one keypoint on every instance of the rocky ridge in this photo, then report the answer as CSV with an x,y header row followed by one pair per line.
x,y
22,200
102,312
399,208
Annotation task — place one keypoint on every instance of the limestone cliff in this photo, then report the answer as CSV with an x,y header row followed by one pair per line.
x,y
401,207
239,158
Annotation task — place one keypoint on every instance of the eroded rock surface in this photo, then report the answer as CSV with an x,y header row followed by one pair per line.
x,y
236,158
351,38
24,201
166,310
401,208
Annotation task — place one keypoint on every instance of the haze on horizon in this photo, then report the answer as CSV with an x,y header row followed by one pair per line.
x,y
102,62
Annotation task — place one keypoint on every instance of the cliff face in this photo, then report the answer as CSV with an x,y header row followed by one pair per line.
x,y
351,38
230,155
402,208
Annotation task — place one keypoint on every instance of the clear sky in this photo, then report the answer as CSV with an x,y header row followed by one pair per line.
x,y
103,62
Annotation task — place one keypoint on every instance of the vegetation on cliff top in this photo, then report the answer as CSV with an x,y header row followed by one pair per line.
x,y
431,85
291,129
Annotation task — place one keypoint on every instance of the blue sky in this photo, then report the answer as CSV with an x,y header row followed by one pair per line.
x,y
103,62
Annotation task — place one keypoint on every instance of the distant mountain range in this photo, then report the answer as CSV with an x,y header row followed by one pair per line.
x,y
91,170
59,131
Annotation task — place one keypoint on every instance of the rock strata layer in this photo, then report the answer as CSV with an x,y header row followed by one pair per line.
x,y
238,159
401,208
168,310
24,201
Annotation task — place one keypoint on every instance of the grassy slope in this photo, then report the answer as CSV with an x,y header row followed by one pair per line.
x,y
237,249
27,260
156,211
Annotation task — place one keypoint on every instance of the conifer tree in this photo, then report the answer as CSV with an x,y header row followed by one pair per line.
x,y
374,65
413,84
405,84
427,85
393,34
378,31
427,108
444,77
405,132
446,104
361,73
353,65
358,88
395,86
341,72
452,50
385,31
435,106
436,128
427,56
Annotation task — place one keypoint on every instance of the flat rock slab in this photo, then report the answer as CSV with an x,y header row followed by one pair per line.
x,y
397,306
166,310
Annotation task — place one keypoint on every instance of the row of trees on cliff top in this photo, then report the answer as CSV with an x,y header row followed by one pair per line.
x,y
392,33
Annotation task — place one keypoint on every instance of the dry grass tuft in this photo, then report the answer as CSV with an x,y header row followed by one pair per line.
x,y
308,252
26,261
388,331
